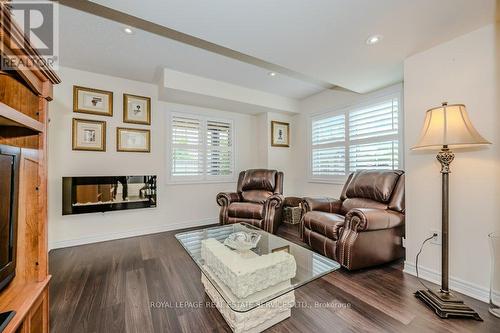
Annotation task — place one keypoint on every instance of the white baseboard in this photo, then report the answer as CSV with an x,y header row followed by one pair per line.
x,y
130,233
456,284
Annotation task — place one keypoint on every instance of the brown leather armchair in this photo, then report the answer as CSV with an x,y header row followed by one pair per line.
x,y
365,226
257,201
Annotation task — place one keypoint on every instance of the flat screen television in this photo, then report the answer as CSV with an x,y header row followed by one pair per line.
x,y
9,189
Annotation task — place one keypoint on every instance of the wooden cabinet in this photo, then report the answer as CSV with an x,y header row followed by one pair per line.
x,y
37,317
24,96
36,320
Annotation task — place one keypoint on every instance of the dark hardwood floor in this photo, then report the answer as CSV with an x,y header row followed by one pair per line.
x,y
149,284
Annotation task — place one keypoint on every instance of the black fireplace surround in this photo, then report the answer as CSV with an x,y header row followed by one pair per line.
x,y
107,193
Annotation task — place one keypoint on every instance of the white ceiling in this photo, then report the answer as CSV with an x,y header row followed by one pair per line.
x,y
89,42
323,39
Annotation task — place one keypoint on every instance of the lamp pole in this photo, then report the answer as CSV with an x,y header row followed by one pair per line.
x,y
445,157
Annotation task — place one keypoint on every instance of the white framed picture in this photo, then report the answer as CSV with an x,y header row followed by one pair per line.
x,y
92,101
133,140
280,134
89,135
136,109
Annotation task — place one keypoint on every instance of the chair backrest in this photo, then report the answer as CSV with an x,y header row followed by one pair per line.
x,y
256,185
381,189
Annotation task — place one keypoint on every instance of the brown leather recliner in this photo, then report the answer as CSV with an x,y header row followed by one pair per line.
x,y
257,201
365,226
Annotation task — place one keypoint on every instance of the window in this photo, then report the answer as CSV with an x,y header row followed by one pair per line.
x,y
201,148
362,137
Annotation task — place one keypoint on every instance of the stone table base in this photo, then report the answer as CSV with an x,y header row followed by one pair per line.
x,y
255,320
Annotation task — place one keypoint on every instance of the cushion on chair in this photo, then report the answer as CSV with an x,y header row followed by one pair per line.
x,y
259,179
373,185
245,210
326,224
256,196
349,204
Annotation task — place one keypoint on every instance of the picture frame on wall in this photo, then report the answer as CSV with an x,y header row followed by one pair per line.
x,y
280,134
89,135
92,101
136,109
133,140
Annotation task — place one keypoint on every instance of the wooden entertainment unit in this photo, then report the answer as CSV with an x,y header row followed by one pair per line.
x,y
24,95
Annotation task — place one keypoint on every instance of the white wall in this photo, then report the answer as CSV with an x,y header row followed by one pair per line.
x,y
278,158
175,202
464,70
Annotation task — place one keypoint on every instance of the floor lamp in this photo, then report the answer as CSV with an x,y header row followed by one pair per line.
x,y
446,127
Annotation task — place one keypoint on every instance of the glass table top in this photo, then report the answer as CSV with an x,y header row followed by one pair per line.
x,y
309,265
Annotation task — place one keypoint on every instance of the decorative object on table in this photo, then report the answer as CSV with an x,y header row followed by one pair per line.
x,y
89,135
292,210
495,274
136,109
280,134
446,127
133,140
242,240
92,101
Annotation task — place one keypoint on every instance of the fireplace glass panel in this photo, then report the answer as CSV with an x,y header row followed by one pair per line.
x,y
100,194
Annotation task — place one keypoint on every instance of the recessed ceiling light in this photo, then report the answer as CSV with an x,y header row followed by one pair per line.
x,y
271,73
374,39
128,30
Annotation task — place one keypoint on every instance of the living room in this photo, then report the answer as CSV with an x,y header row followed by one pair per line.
x,y
285,166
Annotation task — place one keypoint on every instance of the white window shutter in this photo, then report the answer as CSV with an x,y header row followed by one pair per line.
x,y
373,121
187,147
365,137
201,149
377,155
219,148
328,147
328,161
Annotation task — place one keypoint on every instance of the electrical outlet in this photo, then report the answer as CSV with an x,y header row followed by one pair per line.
x,y
436,240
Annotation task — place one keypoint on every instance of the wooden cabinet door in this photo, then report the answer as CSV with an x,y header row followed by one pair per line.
x,y
38,317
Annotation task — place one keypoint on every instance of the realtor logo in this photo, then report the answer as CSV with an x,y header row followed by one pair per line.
x,y
38,21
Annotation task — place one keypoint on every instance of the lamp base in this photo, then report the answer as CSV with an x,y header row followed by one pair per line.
x,y
446,304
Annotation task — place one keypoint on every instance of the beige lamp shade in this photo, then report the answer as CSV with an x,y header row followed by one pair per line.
x,y
448,125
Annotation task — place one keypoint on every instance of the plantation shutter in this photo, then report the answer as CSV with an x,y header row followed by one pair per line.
x,y
380,155
374,121
187,147
219,148
373,136
328,146
356,138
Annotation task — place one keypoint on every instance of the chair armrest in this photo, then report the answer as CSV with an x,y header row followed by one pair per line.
x,y
369,219
274,201
225,198
323,204
272,212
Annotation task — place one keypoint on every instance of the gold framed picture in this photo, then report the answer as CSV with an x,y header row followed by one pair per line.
x,y
280,134
92,101
133,140
89,135
136,109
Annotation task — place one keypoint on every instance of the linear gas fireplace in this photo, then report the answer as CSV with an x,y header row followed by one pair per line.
x,y
101,194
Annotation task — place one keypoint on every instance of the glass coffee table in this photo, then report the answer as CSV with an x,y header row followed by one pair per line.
x,y
253,289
